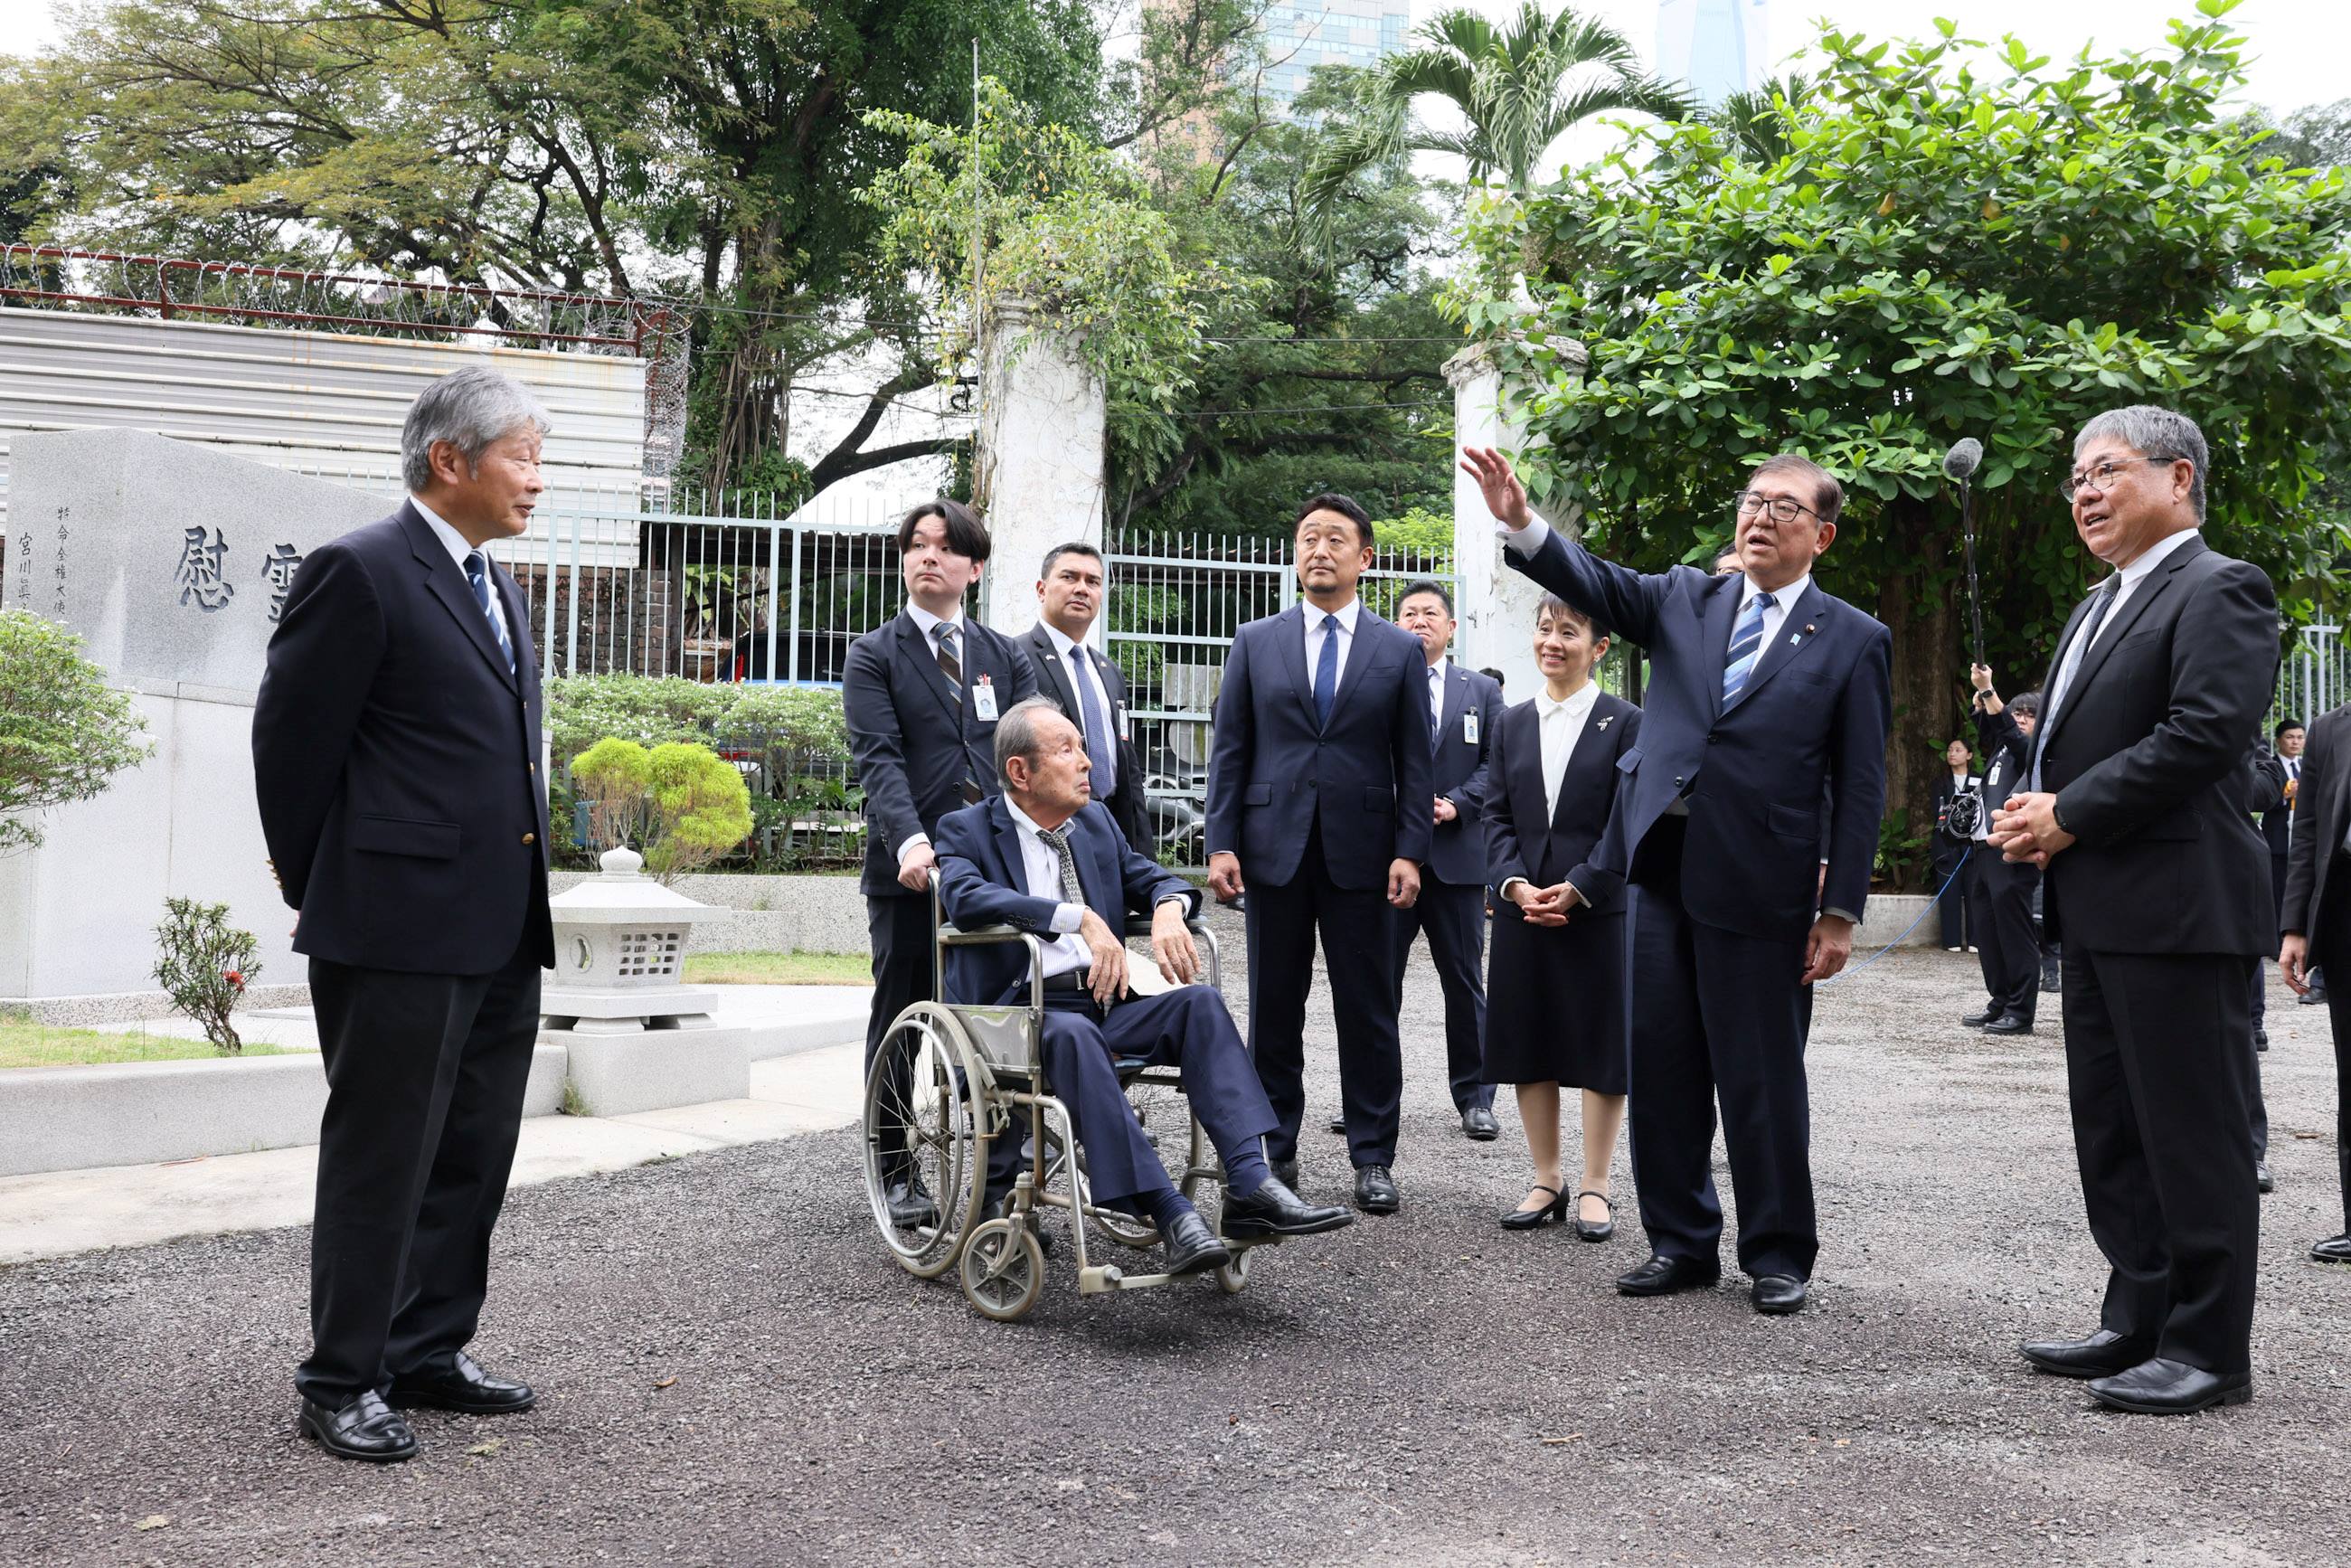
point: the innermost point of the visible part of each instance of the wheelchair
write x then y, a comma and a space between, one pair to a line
950, 1080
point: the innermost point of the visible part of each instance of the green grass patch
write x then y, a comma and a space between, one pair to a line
779, 969
24, 1043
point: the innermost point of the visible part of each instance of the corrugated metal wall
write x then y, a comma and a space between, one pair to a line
316, 403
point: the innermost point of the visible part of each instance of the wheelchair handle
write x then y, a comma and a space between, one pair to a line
948, 936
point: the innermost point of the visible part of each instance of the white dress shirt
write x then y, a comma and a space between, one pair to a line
1315, 635
455, 544
927, 624
1561, 725
1042, 868
1086, 675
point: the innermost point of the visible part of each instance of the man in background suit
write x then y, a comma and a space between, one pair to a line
2274, 802
2159, 886
1318, 786
1762, 753
2317, 919
2006, 944
1043, 857
1463, 708
922, 694
395, 755
1071, 593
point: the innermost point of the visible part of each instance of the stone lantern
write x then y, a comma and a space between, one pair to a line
620, 948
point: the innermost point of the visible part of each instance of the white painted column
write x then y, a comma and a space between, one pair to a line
1495, 605
1038, 475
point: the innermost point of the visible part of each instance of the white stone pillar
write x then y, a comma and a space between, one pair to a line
1037, 473
1495, 605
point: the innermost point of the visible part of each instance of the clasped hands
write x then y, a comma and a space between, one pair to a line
1545, 906
2024, 829
1171, 946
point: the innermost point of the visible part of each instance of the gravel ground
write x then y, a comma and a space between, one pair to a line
732, 1371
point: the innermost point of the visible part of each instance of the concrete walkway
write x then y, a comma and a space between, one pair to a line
56, 1213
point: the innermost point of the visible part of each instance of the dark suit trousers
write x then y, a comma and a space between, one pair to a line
1717, 1014
1959, 921
2005, 943
426, 1076
2334, 929
2157, 1056
1358, 947
1455, 919
1187, 1028
900, 931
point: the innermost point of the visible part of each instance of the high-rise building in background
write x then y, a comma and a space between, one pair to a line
1717, 47
1300, 35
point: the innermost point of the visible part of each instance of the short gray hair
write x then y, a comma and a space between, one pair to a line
1016, 733
470, 409
2161, 433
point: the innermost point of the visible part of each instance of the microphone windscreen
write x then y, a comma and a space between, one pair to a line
1961, 459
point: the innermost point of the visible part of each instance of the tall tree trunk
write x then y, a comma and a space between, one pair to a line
1927, 619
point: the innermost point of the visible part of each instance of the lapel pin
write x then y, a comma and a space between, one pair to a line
1604, 723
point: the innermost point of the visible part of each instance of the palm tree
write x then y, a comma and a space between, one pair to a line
1753, 121
1518, 85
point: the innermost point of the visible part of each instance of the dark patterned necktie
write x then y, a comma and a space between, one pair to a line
1058, 840
949, 665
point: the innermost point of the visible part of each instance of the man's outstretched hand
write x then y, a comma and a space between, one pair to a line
1505, 496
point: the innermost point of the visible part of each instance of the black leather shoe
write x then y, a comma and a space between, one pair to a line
1777, 1295
2102, 1355
1480, 1123
910, 1204
1274, 1210
1662, 1276
2160, 1388
2261, 1040
1192, 1246
1536, 1218
1339, 1124
463, 1386
1285, 1172
1000, 1207
2314, 997
1977, 1021
366, 1428
1592, 1230
2262, 1178
2334, 1249
1375, 1190
2009, 1023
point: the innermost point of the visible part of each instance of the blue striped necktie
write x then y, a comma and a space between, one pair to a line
1746, 647
478, 573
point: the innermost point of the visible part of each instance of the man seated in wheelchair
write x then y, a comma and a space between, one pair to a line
1044, 857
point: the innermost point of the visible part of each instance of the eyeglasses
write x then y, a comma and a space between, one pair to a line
2102, 478
1783, 508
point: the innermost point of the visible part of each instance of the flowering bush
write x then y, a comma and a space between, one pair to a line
206, 965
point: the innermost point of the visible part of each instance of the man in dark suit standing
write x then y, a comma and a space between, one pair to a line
1318, 791
2159, 886
1070, 592
922, 694
2317, 917
2281, 783
1762, 754
395, 752
1463, 708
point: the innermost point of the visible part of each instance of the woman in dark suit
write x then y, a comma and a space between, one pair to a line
1949, 848
1556, 1008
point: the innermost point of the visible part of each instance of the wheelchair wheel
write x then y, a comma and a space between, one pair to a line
1003, 1271
1231, 1276
926, 1120
1065, 1177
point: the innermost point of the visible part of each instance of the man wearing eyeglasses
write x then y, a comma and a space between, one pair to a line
1763, 755
2160, 887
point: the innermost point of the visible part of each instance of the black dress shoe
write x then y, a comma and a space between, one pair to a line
2261, 1040
1480, 1123
1285, 1172
1000, 1208
1339, 1124
1977, 1021
1592, 1230
463, 1386
2102, 1355
2262, 1178
1777, 1295
1192, 1246
2009, 1023
366, 1428
2160, 1388
1375, 1190
910, 1204
1662, 1276
1274, 1210
2314, 997
2334, 1249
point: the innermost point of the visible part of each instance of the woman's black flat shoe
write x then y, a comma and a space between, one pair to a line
1529, 1218
1584, 1228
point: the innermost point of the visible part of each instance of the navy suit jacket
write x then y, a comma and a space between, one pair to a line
1457, 850
1274, 774
395, 759
1814, 715
913, 742
1522, 842
1126, 803
983, 881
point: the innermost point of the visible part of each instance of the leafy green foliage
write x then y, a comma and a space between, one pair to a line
205, 963
1937, 254
64, 733
683, 803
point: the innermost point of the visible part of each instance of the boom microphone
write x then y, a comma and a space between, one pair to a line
1960, 461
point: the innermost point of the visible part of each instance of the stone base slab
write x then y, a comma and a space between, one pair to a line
128, 1006
618, 1074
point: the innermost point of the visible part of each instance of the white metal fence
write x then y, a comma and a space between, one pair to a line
2314, 676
